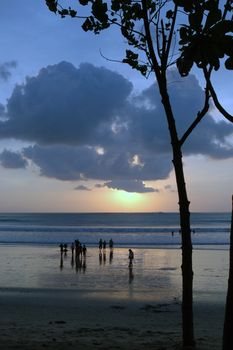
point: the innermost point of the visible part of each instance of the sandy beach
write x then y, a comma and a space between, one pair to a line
104, 306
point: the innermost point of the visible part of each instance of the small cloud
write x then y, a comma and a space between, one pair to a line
137, 186
99, 185
82, 188
169, 188
12, 160
5, 69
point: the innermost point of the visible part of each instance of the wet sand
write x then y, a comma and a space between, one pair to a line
44, 305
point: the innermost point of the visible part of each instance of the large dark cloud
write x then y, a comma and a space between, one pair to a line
86, 123
85, 162
65, 105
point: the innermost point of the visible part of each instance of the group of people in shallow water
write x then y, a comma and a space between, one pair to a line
103, 244
102, 251
78, 257
79, 252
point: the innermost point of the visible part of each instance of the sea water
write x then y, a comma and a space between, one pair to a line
30, 258
126, 229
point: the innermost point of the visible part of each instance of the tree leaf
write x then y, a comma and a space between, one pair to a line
99, 10
83, 2
195, 19
169, 14
87, 25
229, 63
184, 65
52, 5
213, 17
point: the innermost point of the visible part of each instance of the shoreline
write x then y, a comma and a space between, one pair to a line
103, 306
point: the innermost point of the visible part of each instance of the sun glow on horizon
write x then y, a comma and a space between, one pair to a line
128, 200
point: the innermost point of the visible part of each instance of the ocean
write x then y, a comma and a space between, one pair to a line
30, 256
126, 229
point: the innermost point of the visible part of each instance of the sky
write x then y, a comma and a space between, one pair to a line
79, 133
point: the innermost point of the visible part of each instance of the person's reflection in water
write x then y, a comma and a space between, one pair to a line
61, 261
131, 275
78, 263
100, 258
84, 265
72, 261
110, 256
104, 257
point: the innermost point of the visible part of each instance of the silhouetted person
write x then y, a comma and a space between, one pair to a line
104, 244
84, 250
78, 249
131, 257
100, 244
61, 248
65, 249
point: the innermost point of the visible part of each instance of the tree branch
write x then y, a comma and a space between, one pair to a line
199, 117
226, 8
170, 35
217, 104
157, 37
149, 39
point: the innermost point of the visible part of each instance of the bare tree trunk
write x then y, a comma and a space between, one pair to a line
228, 323
187, 269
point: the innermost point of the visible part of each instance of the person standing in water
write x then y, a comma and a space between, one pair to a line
131, 257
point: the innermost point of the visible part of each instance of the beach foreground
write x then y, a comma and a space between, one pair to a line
38, 320
100, 309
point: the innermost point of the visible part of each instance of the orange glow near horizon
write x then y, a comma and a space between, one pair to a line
129, 201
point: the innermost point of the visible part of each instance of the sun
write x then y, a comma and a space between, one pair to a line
127, 200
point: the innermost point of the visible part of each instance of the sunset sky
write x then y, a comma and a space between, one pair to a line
80, 133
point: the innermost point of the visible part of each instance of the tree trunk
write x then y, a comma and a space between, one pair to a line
187, 270
228, 323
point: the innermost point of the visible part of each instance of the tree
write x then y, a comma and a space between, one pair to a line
150, 28
228, 322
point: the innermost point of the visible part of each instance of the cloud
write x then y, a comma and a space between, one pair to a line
99, 185
12, 160
2, 112
169, 188
78, 163
65, 105
5, 69
130, 186
82, 188
87, 123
